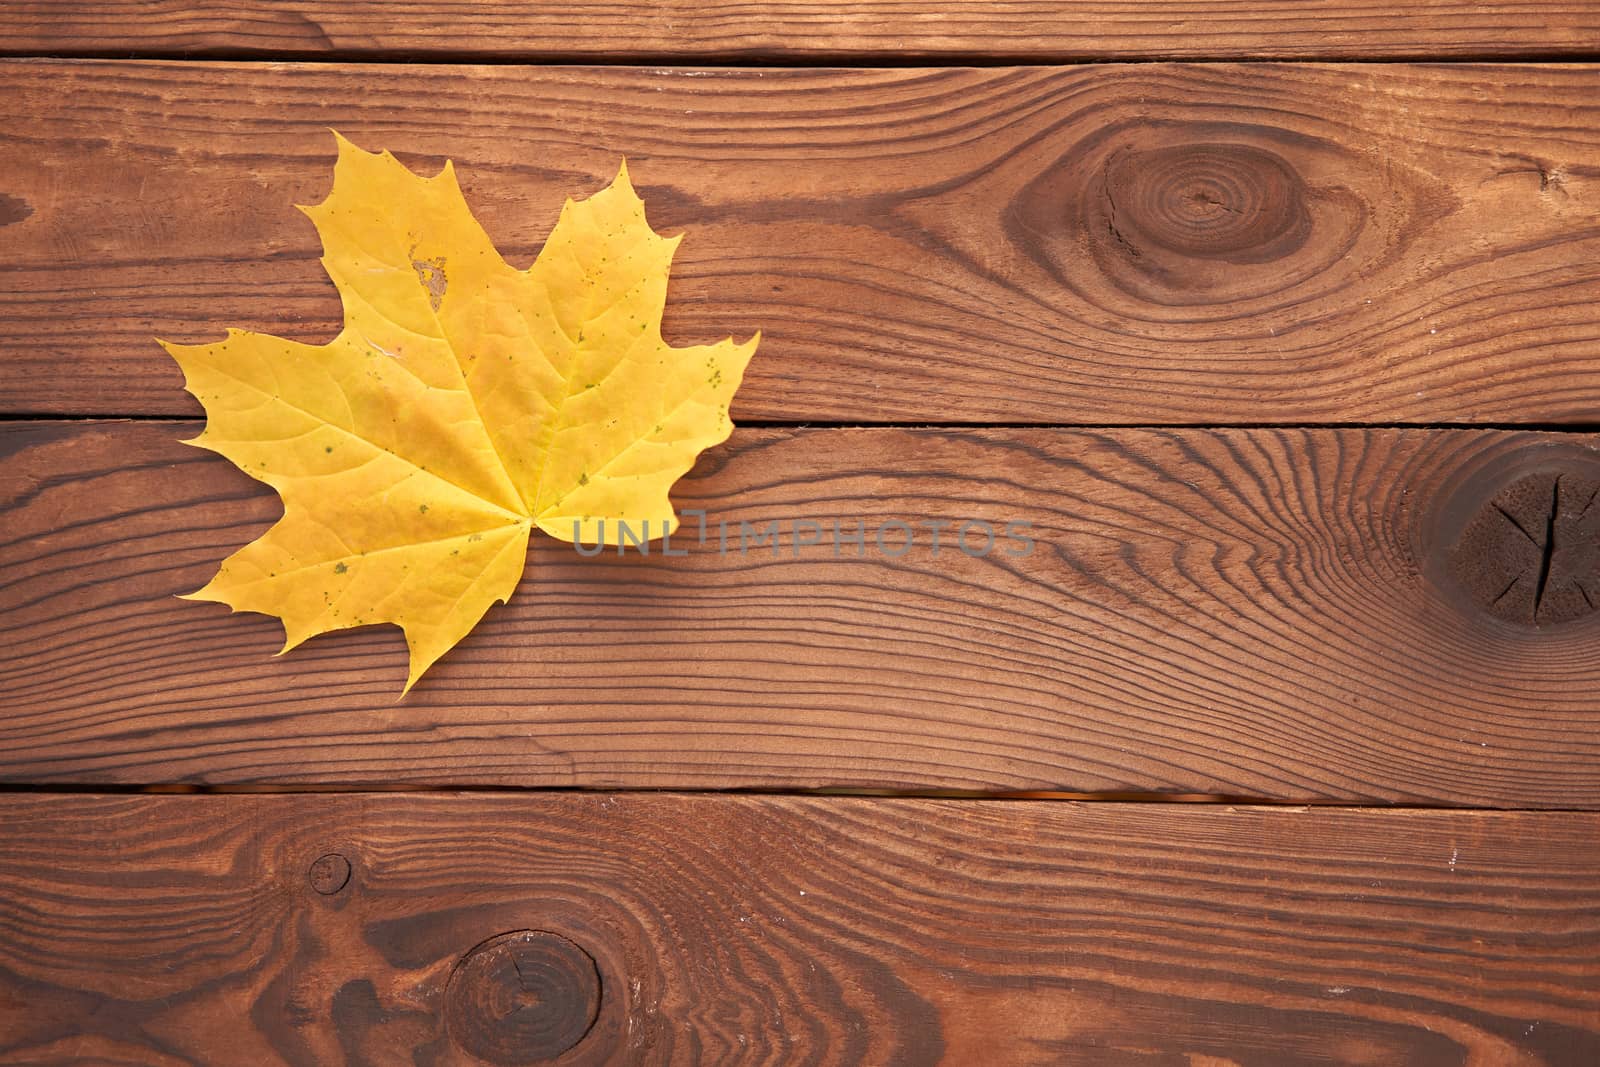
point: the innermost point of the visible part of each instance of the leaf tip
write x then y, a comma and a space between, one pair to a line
351, 155
622, 185
178, 351
291, 640
205, 595
414, 674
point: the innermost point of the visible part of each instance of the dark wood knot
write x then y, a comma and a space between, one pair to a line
1231, 202
522, 997
1179, 215
1530, 553
13, 209
329, 874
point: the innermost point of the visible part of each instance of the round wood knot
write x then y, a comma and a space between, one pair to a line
329, 874
1530, 553
1236, 203
1192, 225
522, 997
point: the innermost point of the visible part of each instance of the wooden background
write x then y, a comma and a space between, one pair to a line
1281, 747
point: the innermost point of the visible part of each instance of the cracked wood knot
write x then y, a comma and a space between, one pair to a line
1531, 552
522, 997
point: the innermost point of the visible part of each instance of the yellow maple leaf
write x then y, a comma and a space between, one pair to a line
464, 403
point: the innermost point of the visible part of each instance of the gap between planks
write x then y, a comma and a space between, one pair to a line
1530, 426
976, 796
778, 61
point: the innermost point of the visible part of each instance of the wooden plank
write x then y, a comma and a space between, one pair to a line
1137, 244
733, 930
803, 29
1267, 613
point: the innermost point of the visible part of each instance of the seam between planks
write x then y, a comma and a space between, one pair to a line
1177, 800
768, 60
1531, 426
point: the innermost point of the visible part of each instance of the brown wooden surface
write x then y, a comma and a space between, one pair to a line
1346, 614
804, 29
1263, 613
765, 930
1144, 243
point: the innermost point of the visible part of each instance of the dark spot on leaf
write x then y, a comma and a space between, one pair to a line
430, 272
339, 568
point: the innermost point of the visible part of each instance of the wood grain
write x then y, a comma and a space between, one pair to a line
1256, 613
763, 930
1148, 243
802, 29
